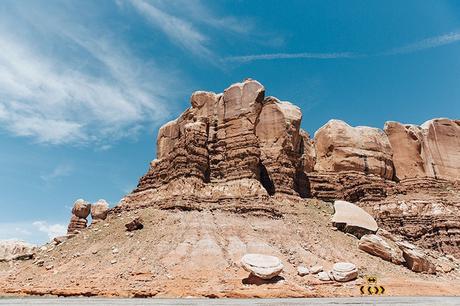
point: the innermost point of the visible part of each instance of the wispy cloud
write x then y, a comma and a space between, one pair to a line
258, 57
427, 43
51, 230
60, 171
179, 31
92, 89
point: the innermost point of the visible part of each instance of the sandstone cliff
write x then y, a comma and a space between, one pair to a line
238, 147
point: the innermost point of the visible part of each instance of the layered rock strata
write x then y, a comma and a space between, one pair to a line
80, 211
237, 149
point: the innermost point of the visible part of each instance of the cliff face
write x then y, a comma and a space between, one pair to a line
238, 149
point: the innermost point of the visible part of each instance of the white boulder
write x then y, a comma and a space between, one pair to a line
344, 271
262, 266
351, 218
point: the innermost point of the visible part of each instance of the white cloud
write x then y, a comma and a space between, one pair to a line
52, 230
255, 57
36, 232
427, 43
60, 171
179, 31
99, 94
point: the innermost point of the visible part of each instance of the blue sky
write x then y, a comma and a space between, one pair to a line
84, 85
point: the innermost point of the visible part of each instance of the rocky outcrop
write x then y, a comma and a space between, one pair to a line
340, 147
16, 250
228, 145
441, 140
262, 266
80, 211
429, 150
237, 149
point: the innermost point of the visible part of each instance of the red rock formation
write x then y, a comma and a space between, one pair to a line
340, 147
234, 150
430, 150
80, 211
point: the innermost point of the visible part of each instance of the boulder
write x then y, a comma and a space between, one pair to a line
350, 218
302, 271
340, 147
416, 259
135, 224
81, 209
323, 276
262, 266
99, 211
316, 269
377, 246
16, 250
344, 271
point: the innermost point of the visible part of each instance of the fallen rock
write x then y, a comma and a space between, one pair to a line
262, 266
377, 246
323, 276
16, 250
99, 211
344, 271
61, 239
302, 271
416, 259
351, 218
134, 225
316, 269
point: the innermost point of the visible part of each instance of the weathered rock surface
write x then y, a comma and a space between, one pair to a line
429, 150
353, 219
377, 246
99, 211
234, 150
263, 266
416, 259
442, 145
344, 272
340, 147
16, 250
80, 211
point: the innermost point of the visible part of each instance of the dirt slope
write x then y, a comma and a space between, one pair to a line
197, 253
